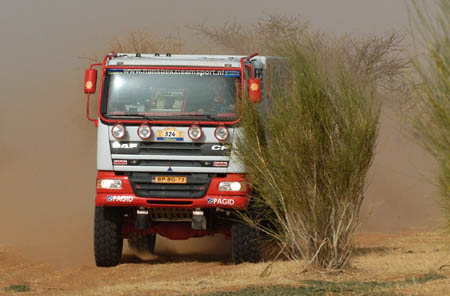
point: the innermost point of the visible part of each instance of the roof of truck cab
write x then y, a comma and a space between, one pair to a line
130, 59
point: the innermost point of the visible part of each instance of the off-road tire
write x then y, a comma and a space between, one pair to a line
244, 243
108, 241
142, 243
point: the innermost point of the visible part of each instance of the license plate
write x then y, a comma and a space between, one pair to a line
169, 180
169, 134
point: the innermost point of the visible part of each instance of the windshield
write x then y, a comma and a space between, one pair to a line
175, 94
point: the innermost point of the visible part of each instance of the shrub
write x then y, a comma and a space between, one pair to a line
308, 155
432, 99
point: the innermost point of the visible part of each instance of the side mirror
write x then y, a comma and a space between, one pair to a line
254, 90
90, 81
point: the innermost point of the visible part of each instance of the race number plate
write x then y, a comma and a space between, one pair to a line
169, 134
169, 180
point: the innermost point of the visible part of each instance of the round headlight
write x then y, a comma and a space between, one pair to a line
118, 131
144, 131
195, 132
232, 186
235, 186
221, 133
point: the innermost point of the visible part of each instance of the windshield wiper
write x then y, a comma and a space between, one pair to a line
194, 116
209, 116
126, 115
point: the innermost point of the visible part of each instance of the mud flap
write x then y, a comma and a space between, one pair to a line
198, 220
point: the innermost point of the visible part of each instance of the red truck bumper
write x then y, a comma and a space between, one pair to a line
214, 198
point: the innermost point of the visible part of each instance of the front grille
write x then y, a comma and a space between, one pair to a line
170, 148
171, 163
177, 163
155, 148
169, 202
195, 187
170, 214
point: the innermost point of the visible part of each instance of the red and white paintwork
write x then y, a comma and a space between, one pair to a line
172, 230
241, 198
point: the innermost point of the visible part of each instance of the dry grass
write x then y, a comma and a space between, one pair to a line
384, 258
389, 259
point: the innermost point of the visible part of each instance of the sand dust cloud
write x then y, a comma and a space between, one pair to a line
48, 168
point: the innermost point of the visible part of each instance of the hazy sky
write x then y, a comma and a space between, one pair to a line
48, 34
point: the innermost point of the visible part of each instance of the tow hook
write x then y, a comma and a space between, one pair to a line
198, 220
142, 221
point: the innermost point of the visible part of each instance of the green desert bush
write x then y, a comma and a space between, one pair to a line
432, 99
380, 58
308, 154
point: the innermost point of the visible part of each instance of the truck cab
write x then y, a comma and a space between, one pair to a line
167, 125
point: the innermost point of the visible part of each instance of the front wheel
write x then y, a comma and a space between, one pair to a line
142, 243
108, 241
244, 243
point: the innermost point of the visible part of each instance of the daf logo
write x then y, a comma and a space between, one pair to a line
117, 145
219, 147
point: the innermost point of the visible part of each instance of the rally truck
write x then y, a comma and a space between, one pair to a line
166, 166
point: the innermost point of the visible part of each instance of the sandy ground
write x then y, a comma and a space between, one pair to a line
380, 257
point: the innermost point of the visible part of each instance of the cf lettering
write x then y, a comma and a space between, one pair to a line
219, 147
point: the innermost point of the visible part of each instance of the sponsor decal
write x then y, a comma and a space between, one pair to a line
169, 134
197, 213
220, 201
232, 74
119, 198
169, 169
220, 164
142, 212
120, 162
173, 72
124, 147
219, 147
259, 72
117, 145
254, 87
